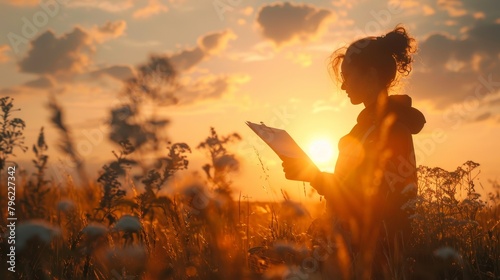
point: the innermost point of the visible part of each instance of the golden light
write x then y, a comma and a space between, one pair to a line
321, 152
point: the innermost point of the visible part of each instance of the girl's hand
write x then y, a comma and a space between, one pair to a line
299, 169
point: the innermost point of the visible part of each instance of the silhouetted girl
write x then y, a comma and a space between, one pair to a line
370, 193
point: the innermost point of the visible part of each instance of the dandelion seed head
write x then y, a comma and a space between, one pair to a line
65, 205
447, 253
95, 230
128, 223
34, 229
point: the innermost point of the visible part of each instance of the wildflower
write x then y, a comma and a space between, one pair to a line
65, 205
95, 230
34, 229
128, 223
447, 253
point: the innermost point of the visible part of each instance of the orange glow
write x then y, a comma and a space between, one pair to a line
322, 153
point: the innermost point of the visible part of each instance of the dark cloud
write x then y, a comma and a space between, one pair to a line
53, 55
285, 22
451, 70
483, 116
69, 53
487, 8
42, 83
110, 30
208, 45
483, 41
495, 102
187, 59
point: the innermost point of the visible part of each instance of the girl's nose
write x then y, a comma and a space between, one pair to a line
343, 86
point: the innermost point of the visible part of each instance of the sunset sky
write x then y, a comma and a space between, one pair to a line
250, 60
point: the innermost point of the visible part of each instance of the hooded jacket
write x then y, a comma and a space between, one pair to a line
375, 173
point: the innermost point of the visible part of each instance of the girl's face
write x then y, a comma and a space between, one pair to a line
361, 86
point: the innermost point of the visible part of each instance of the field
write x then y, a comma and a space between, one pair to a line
130, 222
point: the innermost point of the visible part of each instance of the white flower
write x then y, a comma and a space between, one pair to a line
447, 253
95, 230
128, 223
34, 229
65, 205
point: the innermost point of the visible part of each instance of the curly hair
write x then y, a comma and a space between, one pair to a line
389, 54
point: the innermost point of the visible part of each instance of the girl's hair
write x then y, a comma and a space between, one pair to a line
389, 54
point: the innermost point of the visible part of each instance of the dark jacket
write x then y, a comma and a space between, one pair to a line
375, 174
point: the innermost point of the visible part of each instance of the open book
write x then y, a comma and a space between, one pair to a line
279, 140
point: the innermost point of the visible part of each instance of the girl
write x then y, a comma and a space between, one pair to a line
369, 194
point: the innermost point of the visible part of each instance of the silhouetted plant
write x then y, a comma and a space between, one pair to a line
11, 133
446, 217
136, 119
222, 163
35, 191
155, 179
113, 193
66, 144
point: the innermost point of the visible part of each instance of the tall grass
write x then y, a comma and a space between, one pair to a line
133, 220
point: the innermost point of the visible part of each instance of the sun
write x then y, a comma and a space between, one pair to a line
322, 154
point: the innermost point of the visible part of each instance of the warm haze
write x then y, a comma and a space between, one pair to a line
254, 61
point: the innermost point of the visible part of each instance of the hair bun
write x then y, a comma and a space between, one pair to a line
401, 46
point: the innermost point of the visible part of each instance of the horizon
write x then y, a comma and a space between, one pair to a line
253, 61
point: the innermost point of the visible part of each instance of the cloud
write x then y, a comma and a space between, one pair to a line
208, 45
52, 55
428, 10
154, 7
477, 50
119, 72
41, 83
453, 70
285, 23
209, 87
110, 30
3, 53
69, 53
454, 8
483, 116
114, 6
